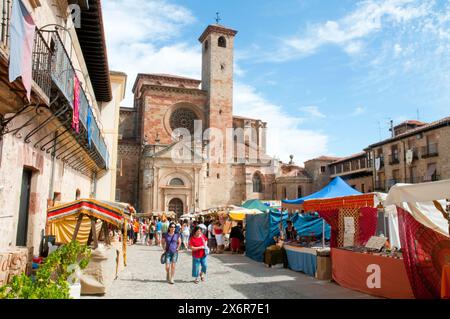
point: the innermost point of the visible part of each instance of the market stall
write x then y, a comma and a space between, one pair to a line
88, 220
336, 188
360, 260
424, 223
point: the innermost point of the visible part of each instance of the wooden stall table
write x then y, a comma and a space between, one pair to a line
306, 260
354, 270
445, 284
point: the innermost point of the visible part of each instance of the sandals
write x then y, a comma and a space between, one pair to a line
196, 281
202, 277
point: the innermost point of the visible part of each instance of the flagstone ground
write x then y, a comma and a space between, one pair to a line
229, 276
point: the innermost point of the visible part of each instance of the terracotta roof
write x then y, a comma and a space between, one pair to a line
325, 158
411, 122
164, 76
350, 157
434, 125
245, 118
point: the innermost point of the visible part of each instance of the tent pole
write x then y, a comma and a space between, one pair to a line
77, 227
384, 223
323, 233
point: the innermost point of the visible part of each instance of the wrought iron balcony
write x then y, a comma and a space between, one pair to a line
53, 75
430, 150
394, 159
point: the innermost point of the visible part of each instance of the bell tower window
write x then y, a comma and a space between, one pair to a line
222, 42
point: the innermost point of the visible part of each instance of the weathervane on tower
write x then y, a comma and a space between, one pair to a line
217, 18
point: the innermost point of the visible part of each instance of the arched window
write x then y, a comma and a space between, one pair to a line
222, 42
206, 45
176, 182
257, 184
299, 191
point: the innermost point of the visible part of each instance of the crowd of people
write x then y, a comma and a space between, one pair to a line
199, 237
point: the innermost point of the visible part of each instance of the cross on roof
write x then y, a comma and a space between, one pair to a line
217, 18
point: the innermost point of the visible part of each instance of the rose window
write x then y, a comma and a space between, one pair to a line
183, 118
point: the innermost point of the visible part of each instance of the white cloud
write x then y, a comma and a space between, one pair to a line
369, 17
142, 44
312, 111
284, 134
358, 111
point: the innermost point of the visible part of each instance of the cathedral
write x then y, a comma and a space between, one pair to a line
148, 175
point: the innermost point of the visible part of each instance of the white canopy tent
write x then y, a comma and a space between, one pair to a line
426, 202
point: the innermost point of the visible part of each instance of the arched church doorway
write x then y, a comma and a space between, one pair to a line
176, 205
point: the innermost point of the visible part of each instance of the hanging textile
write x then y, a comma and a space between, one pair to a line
21, 47
76, 105
89, 125
367, 224
332, 218
425, 251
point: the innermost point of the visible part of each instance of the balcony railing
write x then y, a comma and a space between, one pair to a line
63, 75
41, 67
394, 159
430, 150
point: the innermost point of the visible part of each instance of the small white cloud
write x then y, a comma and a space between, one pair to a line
368, 18
312, 111
358, 111
397, 49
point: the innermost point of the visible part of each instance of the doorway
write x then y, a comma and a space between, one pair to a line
176, 205
22, 224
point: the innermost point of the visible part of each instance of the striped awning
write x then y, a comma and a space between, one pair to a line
111, 212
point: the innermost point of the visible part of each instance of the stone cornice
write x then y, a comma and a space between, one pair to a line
218, 29
173, 89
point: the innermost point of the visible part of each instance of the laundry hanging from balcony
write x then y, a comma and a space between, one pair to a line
76, 105
21, 47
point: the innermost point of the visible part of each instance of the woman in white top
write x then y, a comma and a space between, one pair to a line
185, 233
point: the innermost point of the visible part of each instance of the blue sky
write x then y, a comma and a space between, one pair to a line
326, 75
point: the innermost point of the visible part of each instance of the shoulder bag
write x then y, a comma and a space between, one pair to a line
205, 244
164, 254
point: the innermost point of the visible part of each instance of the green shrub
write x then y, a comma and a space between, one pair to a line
51, 280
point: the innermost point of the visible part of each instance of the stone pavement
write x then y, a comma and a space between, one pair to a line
228, 277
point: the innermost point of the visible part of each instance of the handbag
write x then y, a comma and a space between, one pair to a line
163, 258
206, 246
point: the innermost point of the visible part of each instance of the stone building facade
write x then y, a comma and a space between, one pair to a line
417, 152
226, 161
42, 158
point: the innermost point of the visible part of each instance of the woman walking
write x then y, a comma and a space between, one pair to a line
236, 237
198, 244
185, 233
218, 232
211, 238
171, 244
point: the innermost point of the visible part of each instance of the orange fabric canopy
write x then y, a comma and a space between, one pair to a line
355, 201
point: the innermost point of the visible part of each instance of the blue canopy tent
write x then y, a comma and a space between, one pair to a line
336, 188
261, 228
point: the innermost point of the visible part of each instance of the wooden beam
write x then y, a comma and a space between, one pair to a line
94, 232
77, 227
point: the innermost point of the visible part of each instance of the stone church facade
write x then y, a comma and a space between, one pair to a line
149, 178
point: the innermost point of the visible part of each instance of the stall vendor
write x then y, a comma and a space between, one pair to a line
291, 233
276, 254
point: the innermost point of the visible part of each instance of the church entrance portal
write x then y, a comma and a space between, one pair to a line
176, 205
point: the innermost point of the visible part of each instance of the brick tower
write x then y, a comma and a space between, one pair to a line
217, 80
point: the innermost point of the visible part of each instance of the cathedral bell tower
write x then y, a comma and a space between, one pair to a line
217, 74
